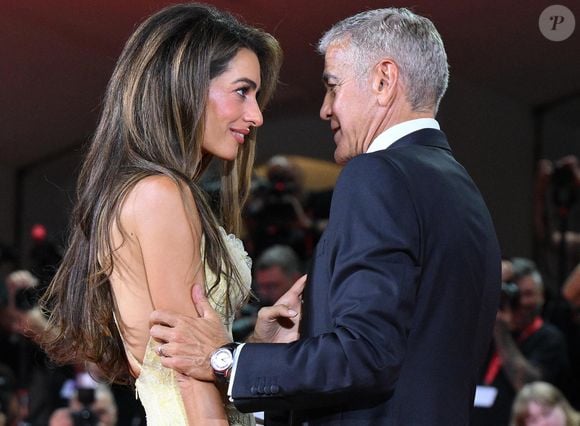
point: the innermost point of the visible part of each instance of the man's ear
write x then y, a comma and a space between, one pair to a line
385, 79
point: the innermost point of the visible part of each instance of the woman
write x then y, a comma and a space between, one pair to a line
542, 404
189, 86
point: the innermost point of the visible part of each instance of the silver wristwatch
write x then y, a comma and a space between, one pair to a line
222, 361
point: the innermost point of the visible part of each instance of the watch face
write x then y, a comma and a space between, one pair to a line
221, 359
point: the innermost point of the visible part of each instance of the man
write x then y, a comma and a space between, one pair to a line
526, 348
401, 298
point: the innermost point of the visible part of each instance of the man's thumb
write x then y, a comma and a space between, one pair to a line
199, 300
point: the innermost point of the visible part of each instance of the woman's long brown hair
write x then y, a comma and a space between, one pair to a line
152, 124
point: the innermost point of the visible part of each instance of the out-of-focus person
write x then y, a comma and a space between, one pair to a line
557, 218
275, 213
542, 404
526, 348
571, 288
276, 270
10, 411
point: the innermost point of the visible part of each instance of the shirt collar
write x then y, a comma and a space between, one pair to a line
393, 134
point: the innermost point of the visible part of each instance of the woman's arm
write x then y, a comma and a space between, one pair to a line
168, 232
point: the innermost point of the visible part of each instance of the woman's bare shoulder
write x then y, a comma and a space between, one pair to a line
157, 197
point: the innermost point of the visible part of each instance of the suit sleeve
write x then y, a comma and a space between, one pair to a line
372, 254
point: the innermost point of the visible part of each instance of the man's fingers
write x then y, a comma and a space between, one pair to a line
161, 333
298, 286
294, 294
272, 312
172, 363
201, 303
185, 366
163, 318
167, 350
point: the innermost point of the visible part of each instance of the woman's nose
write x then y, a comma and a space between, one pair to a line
254, 115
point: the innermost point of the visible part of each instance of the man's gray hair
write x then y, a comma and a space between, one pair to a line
410, 40
524, 267
279, 255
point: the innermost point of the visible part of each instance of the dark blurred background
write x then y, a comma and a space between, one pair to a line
511, 113
514, 96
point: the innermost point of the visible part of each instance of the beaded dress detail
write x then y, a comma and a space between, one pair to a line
157, 386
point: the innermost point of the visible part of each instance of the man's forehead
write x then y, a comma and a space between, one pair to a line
337, 74
335, 63
335, 53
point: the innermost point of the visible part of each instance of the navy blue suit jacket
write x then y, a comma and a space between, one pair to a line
400, 302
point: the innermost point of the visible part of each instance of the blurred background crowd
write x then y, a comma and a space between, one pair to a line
533, 358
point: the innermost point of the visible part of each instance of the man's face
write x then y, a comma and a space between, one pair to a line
348, 104
271, 284
531, 300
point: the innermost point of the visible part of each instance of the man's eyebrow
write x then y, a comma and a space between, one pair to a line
248, 81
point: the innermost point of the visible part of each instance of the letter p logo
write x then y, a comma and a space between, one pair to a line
557, 20
557, 23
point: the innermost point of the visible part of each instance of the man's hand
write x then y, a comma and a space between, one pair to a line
188, 342
279, 323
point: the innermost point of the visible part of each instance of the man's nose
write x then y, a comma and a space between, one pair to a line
325, 109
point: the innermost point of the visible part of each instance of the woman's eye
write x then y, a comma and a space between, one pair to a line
242, 91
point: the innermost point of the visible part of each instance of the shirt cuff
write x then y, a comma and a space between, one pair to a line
234, 366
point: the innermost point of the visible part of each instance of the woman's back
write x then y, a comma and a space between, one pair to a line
156, 260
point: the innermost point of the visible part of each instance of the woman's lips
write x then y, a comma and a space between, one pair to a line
240, 134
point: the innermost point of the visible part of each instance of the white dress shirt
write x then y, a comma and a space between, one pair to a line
393, 134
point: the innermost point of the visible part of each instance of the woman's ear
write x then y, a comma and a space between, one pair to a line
385, 79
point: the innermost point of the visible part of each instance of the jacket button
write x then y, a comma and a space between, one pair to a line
274, 389
254, 390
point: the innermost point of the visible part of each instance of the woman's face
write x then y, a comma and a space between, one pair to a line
543, 415
232, 108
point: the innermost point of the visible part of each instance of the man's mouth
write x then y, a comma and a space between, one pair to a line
336, 132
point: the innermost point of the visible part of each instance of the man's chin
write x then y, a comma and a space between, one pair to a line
340, 158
